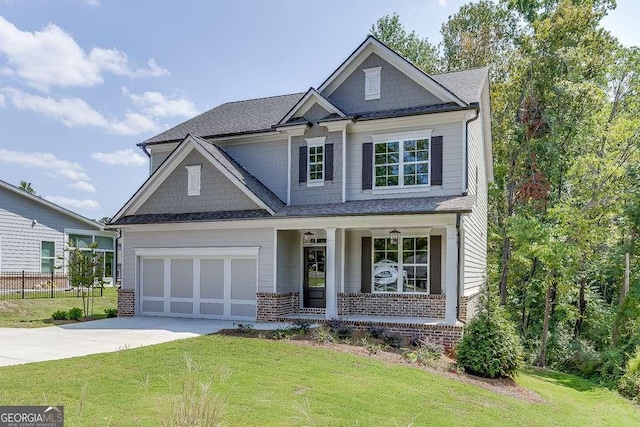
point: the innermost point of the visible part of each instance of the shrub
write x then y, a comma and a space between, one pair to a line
75, 313
323, 335
580, 358
490, 346
302, 325
111, 312
376, 331
59, 315
629, 384
393, 340
371, 347
244, 327
339, 328
283, 334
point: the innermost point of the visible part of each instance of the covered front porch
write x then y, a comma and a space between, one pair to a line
396, 270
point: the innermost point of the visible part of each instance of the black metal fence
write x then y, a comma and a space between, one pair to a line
29, 285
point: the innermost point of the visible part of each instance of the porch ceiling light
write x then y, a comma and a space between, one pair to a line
394, 236
306, 237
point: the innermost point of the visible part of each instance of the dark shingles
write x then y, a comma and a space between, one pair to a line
251, 182
403, 206
467, 84
410, 111
253, 115
190, 217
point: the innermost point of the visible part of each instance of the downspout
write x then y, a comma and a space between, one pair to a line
466, 151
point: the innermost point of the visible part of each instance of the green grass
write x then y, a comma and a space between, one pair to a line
272, 380
35, 313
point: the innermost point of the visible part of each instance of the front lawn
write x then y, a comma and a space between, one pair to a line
34, 313
283, 383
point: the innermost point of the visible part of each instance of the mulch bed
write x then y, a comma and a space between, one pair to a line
445, 367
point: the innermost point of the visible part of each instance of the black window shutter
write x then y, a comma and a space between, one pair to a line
366, 270
435, 265
367, 165
328, 162
302, 164
436, 160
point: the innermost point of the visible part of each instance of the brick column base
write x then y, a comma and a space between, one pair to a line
126, 302
272, 306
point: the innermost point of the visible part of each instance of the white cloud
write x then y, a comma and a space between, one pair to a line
83, 186
72, 174
126, 157
70, 203
46, 161
2, 101
443, 3
158, 105
51, 57
76, 112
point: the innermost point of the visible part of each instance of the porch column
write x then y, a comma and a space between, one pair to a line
330, 272
451, 274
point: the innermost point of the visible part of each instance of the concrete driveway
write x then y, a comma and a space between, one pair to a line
18, 346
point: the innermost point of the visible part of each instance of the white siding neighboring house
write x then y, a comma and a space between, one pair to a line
35, 232
364, 199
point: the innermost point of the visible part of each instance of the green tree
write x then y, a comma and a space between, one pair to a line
86, 272
26, 186
419, 51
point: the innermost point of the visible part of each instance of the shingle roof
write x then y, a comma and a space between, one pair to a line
467, 84
251, 182
253, 115
401, 206
423, 109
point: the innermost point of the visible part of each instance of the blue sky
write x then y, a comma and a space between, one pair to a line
82, 82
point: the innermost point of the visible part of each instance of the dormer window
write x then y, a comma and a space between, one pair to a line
372, 83
193, 180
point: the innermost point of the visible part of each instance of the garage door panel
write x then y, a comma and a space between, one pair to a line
212, 278
244, 310
212, 308
182, 278
153, 277
243, 279
153, 306
179, 307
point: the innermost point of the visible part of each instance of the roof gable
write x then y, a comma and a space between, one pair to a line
373, 45
239, 176
50, 205
311, 98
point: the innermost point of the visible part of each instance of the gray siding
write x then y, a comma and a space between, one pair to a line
451, 164
396, 90
475, 224
331, 191
157, 157
264, 160
217, 193
262, 237
315, 113
289, 259
20, 242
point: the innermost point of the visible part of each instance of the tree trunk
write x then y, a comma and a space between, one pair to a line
582, 306
542, 357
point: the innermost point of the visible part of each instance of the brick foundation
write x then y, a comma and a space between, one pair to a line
468, 307
432, 306
126, 302
273, 306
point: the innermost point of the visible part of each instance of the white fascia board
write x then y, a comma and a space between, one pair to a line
408, 121
371, 45
362, 222
307, 101
485, 111
156, 178
104, 233
51, 205
230, 251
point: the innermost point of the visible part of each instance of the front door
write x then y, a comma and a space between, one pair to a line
314, 277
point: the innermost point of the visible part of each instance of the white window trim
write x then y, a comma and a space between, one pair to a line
193, 174
372, 73
400, 138
315, 142
53, 257
400, 265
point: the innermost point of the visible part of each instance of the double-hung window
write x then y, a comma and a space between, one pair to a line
402, 267
47, 256
315, 161
402, 160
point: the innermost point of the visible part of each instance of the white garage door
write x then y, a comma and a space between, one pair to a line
212, 287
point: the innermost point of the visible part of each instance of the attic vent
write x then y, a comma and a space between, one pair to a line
193, 180
372, 83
